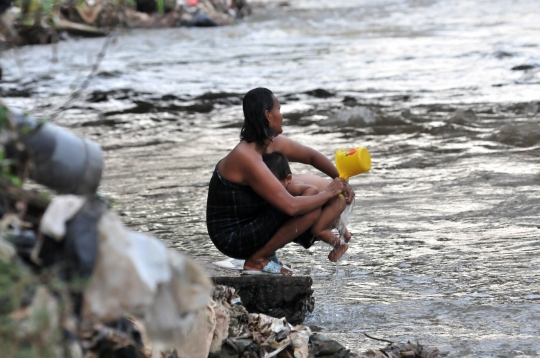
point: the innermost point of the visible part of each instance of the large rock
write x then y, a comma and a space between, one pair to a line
276, 296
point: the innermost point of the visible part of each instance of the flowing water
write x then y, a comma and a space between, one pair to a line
444, 94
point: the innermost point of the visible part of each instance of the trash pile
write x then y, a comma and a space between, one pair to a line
74, 281
45, 21
234, 333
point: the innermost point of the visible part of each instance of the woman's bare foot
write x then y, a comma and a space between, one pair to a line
257, 264
337, 252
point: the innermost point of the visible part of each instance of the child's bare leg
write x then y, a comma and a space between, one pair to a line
343, 232
327, 236
329, 218
329, 215
334, 213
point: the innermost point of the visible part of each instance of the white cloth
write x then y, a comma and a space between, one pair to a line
61, 209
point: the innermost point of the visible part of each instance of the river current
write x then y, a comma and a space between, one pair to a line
444, 94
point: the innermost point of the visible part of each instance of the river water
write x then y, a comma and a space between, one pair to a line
444, 94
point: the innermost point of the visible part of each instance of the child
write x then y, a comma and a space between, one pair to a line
322, 230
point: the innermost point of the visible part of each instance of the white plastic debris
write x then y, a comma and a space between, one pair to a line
148, 256
221, 330
172, 315
135, 274
196, 343
267, 325
300, 341
61, 209
116, 288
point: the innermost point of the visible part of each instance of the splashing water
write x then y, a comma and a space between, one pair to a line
344, 221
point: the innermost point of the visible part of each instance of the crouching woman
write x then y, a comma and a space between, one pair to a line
249, 213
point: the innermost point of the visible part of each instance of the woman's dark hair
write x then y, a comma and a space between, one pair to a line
256, 128
278, 164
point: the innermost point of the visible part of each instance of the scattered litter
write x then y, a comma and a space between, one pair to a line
231, 264
59, 212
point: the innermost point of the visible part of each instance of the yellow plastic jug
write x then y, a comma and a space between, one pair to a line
351, 162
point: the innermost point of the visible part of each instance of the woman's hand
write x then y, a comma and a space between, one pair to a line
348, 193
336, 187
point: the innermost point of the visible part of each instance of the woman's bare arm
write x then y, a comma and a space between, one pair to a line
257, 175
299, 189
297, 152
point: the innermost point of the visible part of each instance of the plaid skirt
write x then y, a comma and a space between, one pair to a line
240, 222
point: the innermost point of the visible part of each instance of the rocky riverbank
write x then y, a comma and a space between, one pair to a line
40, 22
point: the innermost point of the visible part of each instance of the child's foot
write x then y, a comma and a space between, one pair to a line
337, 252
347, 235
343, 232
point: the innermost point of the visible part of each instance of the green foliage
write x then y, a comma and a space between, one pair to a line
160, 6
25, 129
24, 332
7, 164
11, 282
5, 170
3, 117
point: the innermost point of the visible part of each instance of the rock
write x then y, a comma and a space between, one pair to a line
503, 54
200, 20
349, 101
98, 96
523, 67
199, 107
217, 95
276, 296
320, 93
323, 346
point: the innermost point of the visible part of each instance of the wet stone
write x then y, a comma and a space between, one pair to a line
523, 67
98, 96
323, 346
276, 296
320, 93
218, 95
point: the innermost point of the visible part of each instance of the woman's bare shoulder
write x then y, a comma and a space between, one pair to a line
244, 152
239, 161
